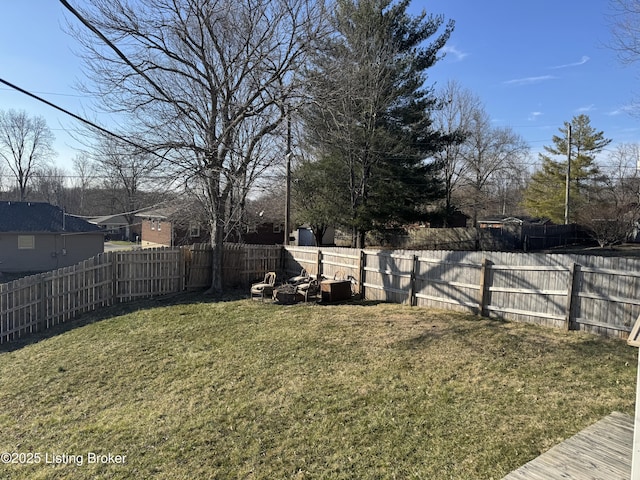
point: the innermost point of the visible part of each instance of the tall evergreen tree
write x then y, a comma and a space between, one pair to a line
315, 200
369, 109
545, 195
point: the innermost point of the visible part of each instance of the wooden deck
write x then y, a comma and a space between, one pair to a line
599, 452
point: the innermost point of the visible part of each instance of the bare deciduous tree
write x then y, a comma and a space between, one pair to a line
49, 185
489, 154
624, 20
25, 145
192, 74
125, 172
84, 177
454, 118
625, 27
614, 208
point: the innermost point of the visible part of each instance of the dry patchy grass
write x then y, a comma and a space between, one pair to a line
241, 389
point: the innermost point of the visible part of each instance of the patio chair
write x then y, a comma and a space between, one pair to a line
302, 278
264, 289
311, 288
355, 289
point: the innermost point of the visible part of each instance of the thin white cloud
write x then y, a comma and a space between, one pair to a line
624, 110
582, 61
529, 80
534, 116
458, 54
587, 108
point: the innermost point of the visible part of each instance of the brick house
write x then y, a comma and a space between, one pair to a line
169, 227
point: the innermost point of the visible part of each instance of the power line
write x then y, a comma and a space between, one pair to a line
63, 110
51, 93
79, 118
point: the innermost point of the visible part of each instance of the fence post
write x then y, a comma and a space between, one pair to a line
574, 276
319, 265
361, 274
42, 286
414, 269
484, 287
183, 268
114, 277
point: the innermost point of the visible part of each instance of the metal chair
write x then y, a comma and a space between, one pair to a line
264, 289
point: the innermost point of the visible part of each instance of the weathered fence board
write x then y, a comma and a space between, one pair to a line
447, 284
298, 258
388, 277
198, 259
594, 294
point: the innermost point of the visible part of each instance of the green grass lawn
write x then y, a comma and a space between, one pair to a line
241, 389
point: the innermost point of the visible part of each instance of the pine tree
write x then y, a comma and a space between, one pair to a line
370, 111
545, 195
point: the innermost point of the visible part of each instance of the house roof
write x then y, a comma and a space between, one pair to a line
161, 213
37, 217
117, 219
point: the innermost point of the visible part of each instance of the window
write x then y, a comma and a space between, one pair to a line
277, 228
26, 242
153, 223
159, 225
194, 229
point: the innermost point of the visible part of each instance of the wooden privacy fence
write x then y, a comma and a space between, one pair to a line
595, 294
38, 302
41, 301
242, 264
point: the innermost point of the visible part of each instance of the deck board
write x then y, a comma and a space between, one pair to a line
601, 451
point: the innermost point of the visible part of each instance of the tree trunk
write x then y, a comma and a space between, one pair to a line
318, 233
217, 246
217, 212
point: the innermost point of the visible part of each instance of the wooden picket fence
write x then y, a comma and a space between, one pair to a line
595, 294
38, 302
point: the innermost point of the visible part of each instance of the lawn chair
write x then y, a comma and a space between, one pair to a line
304, 277
264, 289
308, 289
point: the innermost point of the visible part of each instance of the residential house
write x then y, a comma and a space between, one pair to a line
264, 233
38, 237
170, 227
116, 227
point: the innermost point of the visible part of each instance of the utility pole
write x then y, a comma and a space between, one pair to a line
287, 205
568, 181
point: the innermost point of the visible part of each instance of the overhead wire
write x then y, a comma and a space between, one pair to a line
81, 119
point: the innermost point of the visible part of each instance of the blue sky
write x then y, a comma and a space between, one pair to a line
37, 55
534, 64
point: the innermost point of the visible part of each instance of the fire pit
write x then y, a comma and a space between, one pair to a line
285, 294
